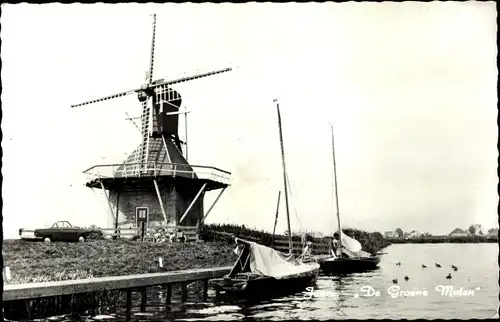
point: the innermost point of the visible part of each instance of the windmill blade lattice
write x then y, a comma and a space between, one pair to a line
107, 97
141, 154
160, 106
189, 78
152, 60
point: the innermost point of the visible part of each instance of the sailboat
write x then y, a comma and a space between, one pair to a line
262, 271
350, 257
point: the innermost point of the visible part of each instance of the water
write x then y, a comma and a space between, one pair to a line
336, 297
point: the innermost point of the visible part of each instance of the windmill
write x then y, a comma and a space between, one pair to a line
158, 158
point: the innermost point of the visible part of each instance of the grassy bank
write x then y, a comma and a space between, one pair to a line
40, 262
371, 242
445, 239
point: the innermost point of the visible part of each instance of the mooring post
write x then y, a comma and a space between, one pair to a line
169, 293
143, 299
129, 301
184, 291
56, 305
205, 289
92, 303
74, 306
29, 309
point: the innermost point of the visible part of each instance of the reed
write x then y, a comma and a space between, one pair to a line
371, 242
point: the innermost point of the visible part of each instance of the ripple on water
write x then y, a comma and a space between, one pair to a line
104, 317
217, 309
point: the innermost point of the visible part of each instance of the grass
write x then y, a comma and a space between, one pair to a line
40, 262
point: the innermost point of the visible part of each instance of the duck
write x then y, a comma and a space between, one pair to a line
395, 281
454, 267
437, 265
449, 276
398, 264
406, 278
423, 266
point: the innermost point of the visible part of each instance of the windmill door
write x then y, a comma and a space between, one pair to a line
142, 216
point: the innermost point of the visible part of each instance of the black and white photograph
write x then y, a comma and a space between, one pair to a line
249, 161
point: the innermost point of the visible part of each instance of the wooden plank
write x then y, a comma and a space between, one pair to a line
45, 289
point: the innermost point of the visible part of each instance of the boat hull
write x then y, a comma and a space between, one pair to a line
262, 287
349, 265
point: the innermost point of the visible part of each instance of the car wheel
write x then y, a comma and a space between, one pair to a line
81, 239
47, 239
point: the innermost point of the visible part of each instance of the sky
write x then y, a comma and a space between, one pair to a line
410, 89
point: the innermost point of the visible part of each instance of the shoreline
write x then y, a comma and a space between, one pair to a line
445, 240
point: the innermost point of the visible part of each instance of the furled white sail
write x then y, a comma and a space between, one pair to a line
350, 244
269, 262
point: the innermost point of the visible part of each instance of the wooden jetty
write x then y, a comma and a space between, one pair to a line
127, 283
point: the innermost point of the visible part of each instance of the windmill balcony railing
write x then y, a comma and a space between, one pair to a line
154, 169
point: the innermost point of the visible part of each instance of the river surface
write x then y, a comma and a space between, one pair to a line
364, 295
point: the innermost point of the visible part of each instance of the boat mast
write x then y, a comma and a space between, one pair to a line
290, 245
336, 190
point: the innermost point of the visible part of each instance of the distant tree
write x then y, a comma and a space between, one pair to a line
478, 229
481, 233
493, 231
472, 230
319, 235
400, 232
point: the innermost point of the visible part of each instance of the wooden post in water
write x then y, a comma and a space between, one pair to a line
205, 289
129, 301
184, 291
29, 309
74, 306
144, 299
169, 293
92, 303
56, 304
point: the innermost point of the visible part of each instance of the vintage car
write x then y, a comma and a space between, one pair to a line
62, 231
